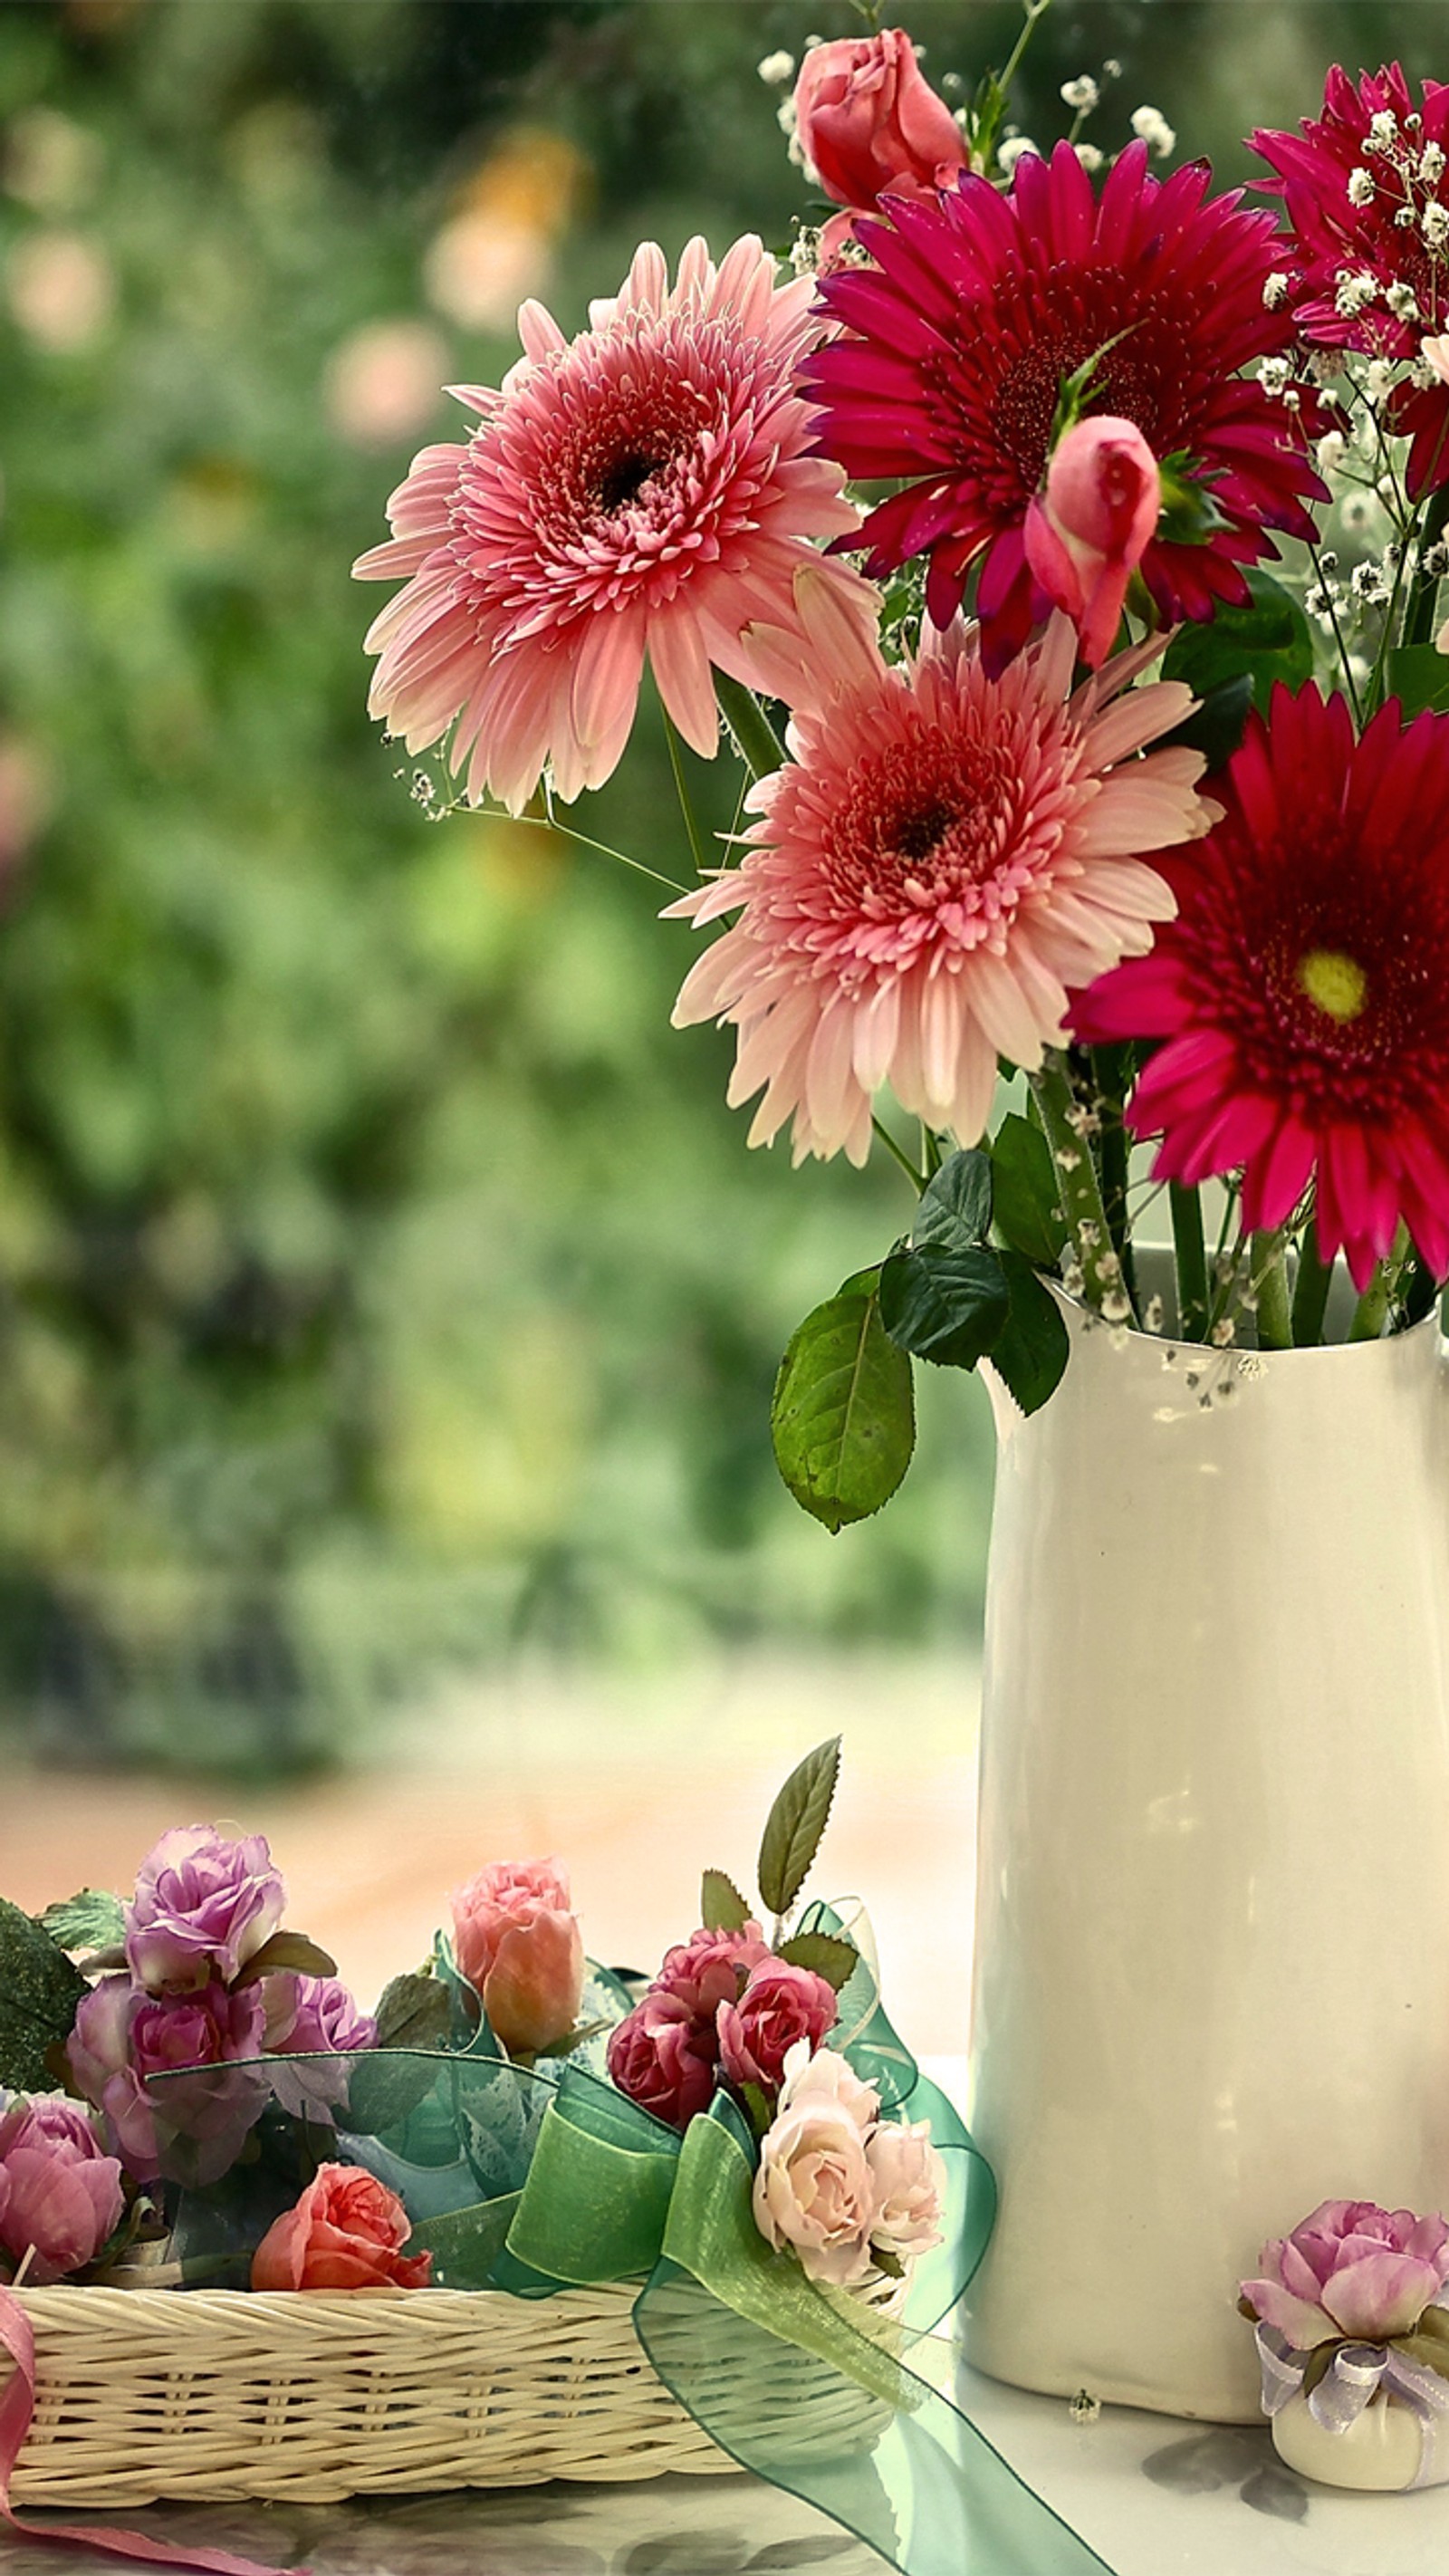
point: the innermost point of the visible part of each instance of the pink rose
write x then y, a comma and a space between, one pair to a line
203, 1906
312, 2017
664, 2059
712, 1968
517, 1943
1351, 2269
828, 2077
347, 2232
869, 121
780, 2006
814, 2189
1088, 530
910, 2183
60, 2193
193, 2127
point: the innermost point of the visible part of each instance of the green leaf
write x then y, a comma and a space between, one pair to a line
888, 2262
1025, 1202
39, 1991
86, 1923
414, 2011
759, 2106
1269, 640
1320, 2362
721, 1906
287, 1950
1217, 726
828, 1957
944, 1304
955, 1205
1419, 678
843, 1418
1031, 1351
1429, 2350
795, 1824
1189, 514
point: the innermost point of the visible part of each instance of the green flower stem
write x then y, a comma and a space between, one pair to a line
1102, 1286
1424, 588
1371, 1312
1269, 1274
917, 1179
1109, 1076
1190, 1255
755, 738
1310, 1293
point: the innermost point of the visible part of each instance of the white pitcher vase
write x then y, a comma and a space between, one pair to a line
1211, 1980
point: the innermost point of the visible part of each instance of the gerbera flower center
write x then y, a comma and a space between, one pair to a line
624, 477
1334, 982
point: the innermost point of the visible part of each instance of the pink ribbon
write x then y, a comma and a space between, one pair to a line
17, 2407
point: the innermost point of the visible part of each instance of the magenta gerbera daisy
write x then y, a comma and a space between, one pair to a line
1366, 186
943, 857
1303, 989
642, 490
958, 340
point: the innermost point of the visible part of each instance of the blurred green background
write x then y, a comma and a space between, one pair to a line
383, 1287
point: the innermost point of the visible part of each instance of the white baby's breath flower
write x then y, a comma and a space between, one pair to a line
1431, 163
1012, 150
1275, 288
1402, 301
1360, 186
1273, 376
1383, 131
1434, 225
1330, 451
1378, 377
1088, 155
1081, 93
1352, 290
1151, 127
776, 68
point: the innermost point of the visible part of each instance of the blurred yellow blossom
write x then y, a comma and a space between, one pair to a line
61, 289
382, 382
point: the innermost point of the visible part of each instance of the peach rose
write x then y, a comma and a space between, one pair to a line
869, 121
517, 1943
1088, 530
347, 2232
814, 2189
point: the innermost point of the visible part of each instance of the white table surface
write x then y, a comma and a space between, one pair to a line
1152, 2495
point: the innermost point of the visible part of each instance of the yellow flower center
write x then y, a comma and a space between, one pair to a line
1333, 982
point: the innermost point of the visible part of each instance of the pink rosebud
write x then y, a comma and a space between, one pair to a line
869, 121
664, 2059
346, 2232
1088, 530
1351, 2269
517, 1943
60, 2193
194, 2126
203, 1906
814, 2189
910, 2184
780, 2006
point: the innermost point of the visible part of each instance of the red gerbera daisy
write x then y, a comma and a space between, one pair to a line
1303, 989
1367, 192
979, 306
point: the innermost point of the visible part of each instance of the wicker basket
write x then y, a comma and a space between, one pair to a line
312, 2396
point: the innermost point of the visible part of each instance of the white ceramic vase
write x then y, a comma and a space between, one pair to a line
1211, 1979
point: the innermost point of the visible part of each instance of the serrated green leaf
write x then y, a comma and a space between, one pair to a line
1031, 1351
1269, 640
795, 1824
414, 2011
944, 1303
721, 1906
39, 1991
287, 1950
1419, 678
86, 1923
1025, 1201
828, 1957
955, 1205
843, 1419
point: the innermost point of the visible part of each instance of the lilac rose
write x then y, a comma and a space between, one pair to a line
192, 2128
1351, 2269
312, 2017
203, 1907
60, 2193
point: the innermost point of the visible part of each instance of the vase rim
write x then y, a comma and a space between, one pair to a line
1159, 1256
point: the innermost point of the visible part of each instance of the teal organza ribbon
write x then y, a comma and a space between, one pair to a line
534, 2180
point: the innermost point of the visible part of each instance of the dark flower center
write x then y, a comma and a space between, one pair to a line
917, 835
623, 478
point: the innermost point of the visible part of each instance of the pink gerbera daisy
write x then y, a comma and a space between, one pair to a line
957, 342
1303, 990
942, 858
1367, 192
643, 489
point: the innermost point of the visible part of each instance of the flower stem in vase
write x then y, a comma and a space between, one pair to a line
1190, 1254
1065, 1125
1110, 1074
1370, 1313
1270, 1282
1310, 1290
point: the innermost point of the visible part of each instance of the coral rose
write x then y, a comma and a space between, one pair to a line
60, 2193
869, 121
1089, 529
347, 2232
1351, 2269
664, 2059
517, 1943
203, 1906
780, 2006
